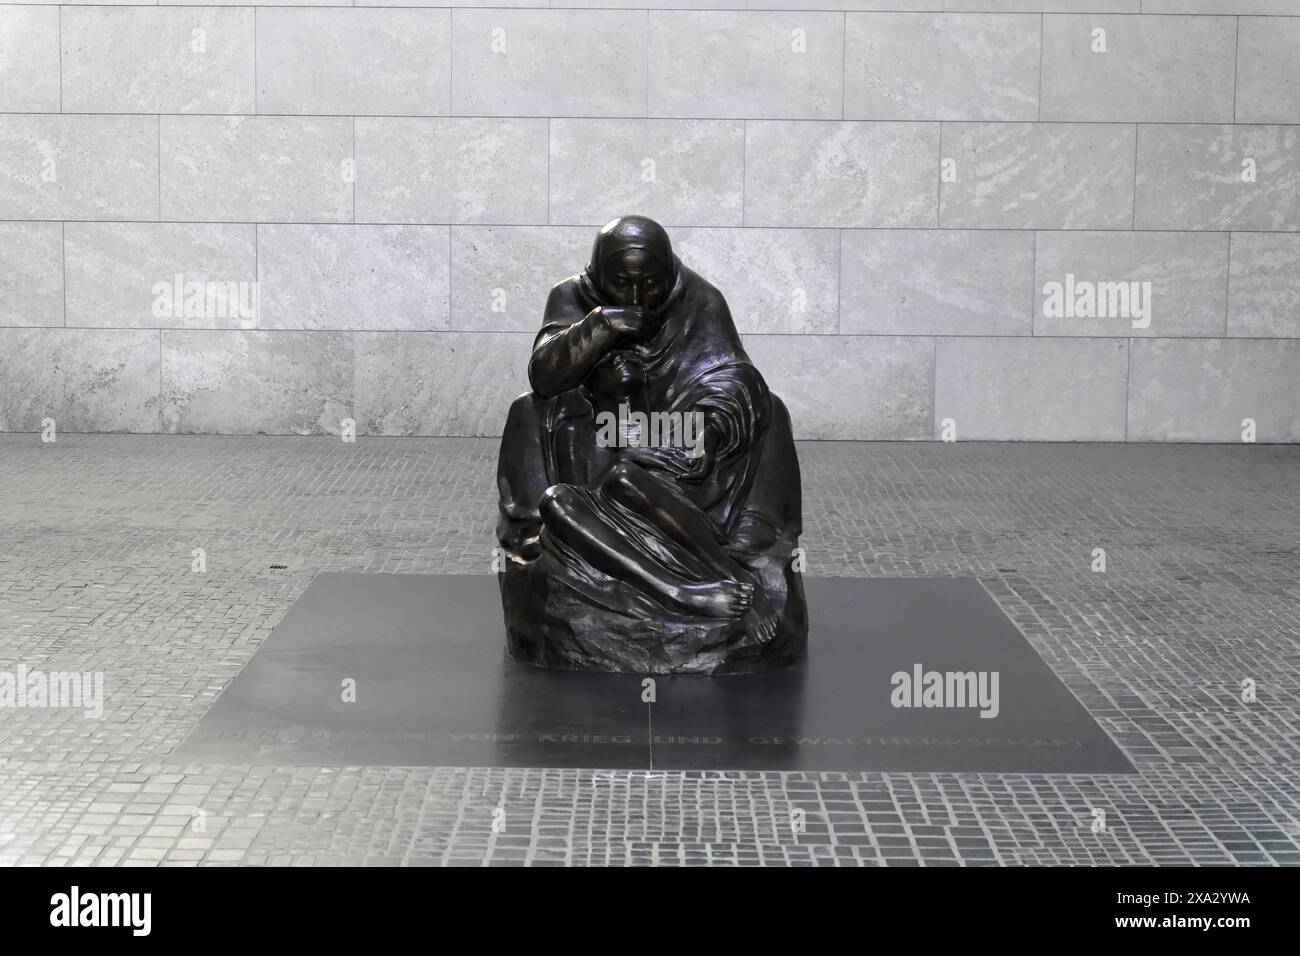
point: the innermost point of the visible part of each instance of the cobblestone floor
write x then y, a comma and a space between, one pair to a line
1201, 592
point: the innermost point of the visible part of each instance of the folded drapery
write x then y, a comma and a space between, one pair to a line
743, 494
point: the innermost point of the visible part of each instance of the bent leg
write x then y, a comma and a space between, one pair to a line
660, 502
569, 516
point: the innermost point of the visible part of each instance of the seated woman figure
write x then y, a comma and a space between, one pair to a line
649, 558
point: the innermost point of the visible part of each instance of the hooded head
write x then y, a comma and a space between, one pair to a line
632, 263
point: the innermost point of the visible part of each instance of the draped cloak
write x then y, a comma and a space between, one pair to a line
693, 362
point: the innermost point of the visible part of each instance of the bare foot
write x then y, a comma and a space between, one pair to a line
726, 599
762, 620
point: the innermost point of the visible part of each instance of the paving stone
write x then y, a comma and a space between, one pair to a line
1200, 592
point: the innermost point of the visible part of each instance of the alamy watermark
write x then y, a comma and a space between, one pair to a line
194, 299
25, 687
922, 688
128, 910
1085, 299
629, 429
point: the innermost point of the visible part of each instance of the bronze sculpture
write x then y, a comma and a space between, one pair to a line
629, 546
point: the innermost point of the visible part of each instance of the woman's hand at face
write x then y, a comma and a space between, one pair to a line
630, 321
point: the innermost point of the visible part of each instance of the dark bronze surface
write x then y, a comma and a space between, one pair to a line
648, 549
435, 688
